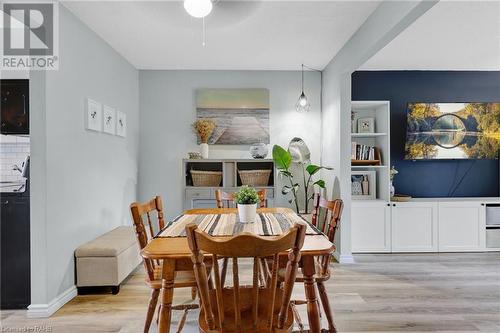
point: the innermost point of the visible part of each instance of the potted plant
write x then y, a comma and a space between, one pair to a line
247, 199
204, 129
283, 161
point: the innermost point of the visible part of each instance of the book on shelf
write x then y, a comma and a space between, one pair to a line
360, 152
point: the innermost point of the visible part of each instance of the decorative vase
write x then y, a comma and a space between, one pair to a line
393, 190
247, 213
204, 150
258, 150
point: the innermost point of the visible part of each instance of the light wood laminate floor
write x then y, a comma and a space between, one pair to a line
379, 293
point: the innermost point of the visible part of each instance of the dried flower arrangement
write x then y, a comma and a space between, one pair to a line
204, 129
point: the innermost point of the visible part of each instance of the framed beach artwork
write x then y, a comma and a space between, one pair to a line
241, 115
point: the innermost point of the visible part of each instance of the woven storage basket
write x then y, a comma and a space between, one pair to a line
254, 177
206, 178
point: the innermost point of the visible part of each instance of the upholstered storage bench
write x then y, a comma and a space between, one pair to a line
108, 259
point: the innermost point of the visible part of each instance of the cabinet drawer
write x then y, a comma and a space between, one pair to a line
493, 238
198, 193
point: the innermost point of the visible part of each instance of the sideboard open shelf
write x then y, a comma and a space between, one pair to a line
204, 196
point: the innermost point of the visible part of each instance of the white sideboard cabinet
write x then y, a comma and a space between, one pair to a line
422, 225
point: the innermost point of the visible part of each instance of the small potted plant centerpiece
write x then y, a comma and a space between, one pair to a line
247, 200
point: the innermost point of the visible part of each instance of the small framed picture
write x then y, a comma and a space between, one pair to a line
108, 120
121, 124
363, 185
366, 125
93, 115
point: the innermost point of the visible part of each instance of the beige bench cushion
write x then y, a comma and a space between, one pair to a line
110, 244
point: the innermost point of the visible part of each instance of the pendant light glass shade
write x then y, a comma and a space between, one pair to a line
198, 8
302, 104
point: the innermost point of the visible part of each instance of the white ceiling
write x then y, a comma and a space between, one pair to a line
450, 36
248, 35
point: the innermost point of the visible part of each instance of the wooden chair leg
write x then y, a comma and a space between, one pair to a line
151, 309
223, 271
193, 293
326, 307
297, 318
182, 321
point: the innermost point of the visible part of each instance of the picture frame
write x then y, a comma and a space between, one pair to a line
121, 124
108, 120
366, 125
93, 116
241, 115
363, 185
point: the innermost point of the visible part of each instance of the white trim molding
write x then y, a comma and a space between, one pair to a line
343, 258
47, 310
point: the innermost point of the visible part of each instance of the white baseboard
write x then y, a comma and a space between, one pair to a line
343, 258
47, 310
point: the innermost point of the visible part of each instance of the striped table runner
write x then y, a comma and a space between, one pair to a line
267, 224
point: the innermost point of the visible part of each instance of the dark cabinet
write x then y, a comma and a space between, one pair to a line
14, 107
15, 250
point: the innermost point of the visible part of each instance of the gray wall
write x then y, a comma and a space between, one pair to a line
86, 180
168, 108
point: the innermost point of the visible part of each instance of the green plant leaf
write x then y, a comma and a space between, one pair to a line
321, 183
313, 169
285, 190
281, 157
246, 195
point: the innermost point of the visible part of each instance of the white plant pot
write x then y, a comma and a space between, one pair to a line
204, 150
247, 213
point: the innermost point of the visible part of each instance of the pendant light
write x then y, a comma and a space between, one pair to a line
302, 105
198, 8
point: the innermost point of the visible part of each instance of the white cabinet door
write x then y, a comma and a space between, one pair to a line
462, 226
370, 226
414, 227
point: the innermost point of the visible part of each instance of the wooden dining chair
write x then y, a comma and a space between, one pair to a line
153, 210
226, 199
240, 308
326, 217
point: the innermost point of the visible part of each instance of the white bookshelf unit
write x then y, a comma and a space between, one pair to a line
422, 224
380, 138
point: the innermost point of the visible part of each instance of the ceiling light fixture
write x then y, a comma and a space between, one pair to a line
198, 8
302, 105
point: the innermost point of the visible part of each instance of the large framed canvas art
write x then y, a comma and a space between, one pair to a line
453, 131
241, 115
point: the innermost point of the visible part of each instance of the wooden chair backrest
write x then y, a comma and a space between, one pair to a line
245, 246
226, 199
327, 221
149, 210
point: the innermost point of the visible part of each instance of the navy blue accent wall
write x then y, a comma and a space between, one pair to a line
432, 178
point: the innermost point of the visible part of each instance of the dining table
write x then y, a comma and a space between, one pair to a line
176, 256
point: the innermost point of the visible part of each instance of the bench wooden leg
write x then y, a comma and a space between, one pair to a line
151, 309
